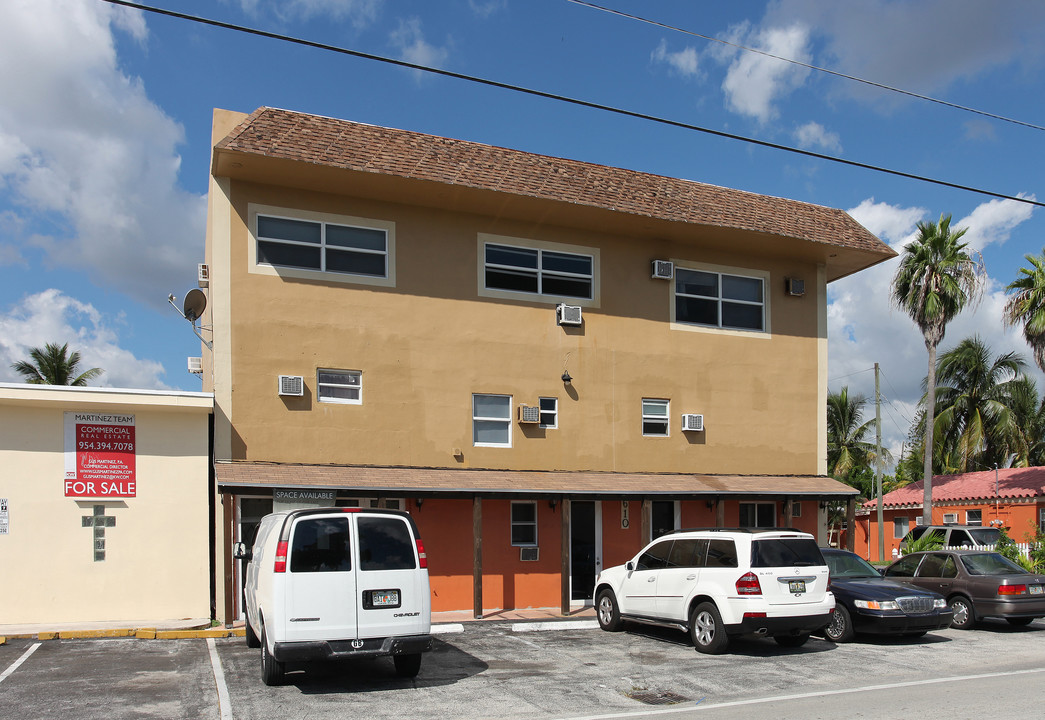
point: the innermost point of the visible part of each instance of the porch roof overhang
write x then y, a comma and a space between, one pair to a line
462, 482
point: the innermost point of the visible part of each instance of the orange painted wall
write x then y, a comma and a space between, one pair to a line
1019, 520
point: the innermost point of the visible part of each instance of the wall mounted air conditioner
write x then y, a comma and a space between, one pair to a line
203, 275
692, 423
950, 518
568, 314
195, 365
796, 286
293, 385
529, 414
663, 270
529, 554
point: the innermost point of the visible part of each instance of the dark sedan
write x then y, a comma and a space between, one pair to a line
865, 602
976, 583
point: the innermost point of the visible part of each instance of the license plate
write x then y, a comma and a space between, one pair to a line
796, 586
1036, 589
384, 598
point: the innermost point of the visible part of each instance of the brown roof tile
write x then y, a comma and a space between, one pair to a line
1012, 483
367, 148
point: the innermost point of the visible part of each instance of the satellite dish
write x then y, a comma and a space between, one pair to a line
194, 305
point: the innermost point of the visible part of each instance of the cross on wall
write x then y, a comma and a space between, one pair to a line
99, 521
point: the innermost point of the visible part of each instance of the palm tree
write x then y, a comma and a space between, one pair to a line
936, 279
846, 447
54, 365
1026, 306
975, 421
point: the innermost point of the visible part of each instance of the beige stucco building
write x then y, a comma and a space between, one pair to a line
105, 505
545, 361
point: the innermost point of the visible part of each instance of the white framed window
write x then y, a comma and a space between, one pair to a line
974, 517
655, 415
492, 420
340, 386
549, 412
510, 267
524, 523
313, 245
719, 299
901, 526
757, 514
796, 509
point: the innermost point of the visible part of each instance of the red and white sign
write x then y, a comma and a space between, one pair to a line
99, 455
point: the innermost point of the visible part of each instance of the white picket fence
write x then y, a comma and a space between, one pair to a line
1024, 548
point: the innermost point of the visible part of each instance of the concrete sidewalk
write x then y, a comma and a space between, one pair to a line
442, 623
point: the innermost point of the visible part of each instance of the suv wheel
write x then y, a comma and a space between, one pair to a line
607, 611
271, 668
964, 613
707, 631
840, 629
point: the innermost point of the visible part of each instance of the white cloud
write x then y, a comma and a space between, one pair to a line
53, 317
993, 222
82, 146
359, 12
864, 327
814, 135
413, 47
755, 82
684, 62
488, 8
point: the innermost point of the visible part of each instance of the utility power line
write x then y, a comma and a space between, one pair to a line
567, 99
836, 73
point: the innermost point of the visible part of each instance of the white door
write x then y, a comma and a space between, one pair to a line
320, 580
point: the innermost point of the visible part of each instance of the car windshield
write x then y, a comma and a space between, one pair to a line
849, 565
991, 564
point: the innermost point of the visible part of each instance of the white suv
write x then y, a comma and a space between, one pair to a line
337, 582
718, 582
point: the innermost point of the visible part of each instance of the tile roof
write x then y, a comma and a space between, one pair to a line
1012, 483
454, 480
305, 138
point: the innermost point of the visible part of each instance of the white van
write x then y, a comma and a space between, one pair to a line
329, 583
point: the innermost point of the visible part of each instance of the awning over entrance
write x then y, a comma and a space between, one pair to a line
451, 481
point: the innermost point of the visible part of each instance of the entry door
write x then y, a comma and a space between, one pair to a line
585, 549
251, 510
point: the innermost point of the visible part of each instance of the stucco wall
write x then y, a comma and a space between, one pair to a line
156, 556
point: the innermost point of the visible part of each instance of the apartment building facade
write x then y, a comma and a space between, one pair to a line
545, 361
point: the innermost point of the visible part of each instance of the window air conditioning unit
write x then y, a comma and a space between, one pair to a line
950, 518
568, 314
203, 275
195, 365
291, 385
796, 286
529, 414
692, 423
529, 554
663, 270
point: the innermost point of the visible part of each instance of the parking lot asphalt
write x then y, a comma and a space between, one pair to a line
496, 669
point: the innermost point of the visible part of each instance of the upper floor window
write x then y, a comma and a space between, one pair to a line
720, 300
322, 246
492, 420
539, 271
340, 386
549, 412
655, 417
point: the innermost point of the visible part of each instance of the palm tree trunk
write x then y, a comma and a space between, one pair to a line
930, 408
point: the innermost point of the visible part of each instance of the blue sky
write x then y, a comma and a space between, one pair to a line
105, 138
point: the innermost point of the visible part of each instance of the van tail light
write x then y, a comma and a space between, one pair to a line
749, 585
281, 558
422, 558
1012, 589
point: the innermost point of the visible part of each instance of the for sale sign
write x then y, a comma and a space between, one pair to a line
99, 455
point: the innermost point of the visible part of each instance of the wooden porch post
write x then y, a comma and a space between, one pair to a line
228, 504
477, 557
850, 522
720, 512
647, 520
565, 508
788, 509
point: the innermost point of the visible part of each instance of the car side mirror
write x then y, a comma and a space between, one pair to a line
240, 551
629, 566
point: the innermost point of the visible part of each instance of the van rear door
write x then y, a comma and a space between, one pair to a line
320, 580
394, 596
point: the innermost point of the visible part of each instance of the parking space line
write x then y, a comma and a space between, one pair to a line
224, 703
19, 661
